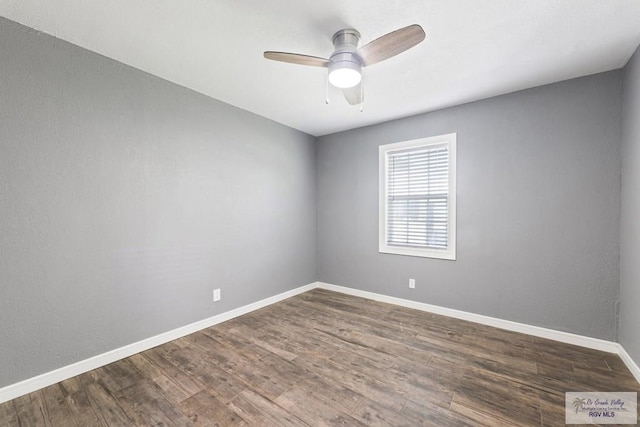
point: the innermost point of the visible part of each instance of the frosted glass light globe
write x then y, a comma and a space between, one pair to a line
344, 74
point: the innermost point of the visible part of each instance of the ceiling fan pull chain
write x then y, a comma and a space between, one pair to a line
362, 95
327, 91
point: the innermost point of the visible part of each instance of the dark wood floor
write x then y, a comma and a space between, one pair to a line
324, 358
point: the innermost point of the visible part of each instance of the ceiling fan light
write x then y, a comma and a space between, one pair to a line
344, 74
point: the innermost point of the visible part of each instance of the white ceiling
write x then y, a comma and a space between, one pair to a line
474, 48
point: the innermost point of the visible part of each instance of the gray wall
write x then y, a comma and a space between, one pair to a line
125, 200
630, 212
538, 208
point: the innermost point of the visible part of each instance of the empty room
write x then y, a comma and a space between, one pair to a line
298, 213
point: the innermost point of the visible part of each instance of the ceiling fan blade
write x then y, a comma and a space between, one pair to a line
295, 58
391, 44
353, 94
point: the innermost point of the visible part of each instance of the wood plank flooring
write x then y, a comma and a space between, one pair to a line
323, 358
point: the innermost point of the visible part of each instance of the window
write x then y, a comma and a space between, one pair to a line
418, 197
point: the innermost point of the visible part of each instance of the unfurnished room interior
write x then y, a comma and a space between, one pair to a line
297, 213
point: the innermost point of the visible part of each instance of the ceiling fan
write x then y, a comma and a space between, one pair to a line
346, 62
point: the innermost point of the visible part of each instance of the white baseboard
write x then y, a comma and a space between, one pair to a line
594, 343
631, 364
32, 384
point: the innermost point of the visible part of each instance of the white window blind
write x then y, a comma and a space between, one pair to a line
417, 196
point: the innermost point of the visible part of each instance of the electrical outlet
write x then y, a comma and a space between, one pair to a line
216, 295
412, 283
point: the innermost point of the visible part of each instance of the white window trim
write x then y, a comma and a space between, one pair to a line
450, 252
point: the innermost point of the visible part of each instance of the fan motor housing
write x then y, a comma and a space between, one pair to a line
346, 40
345, 68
